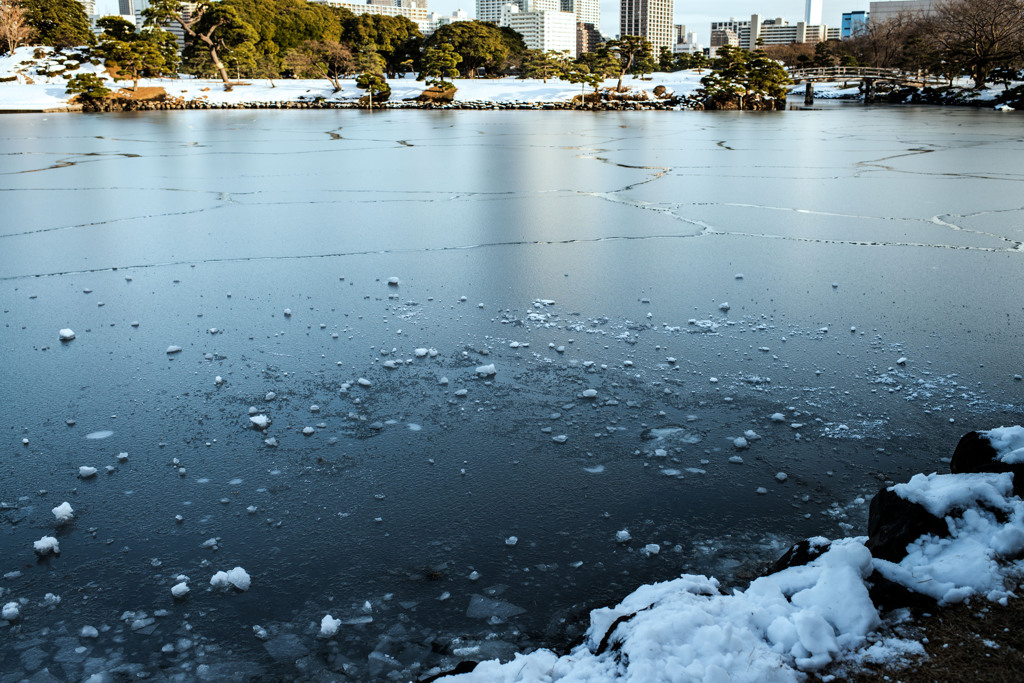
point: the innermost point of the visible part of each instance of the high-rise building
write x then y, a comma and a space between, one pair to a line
854, 23
812, 16
651, 19
542, 29
882, 12
586, 11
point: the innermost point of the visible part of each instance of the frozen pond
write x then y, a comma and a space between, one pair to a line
719, 333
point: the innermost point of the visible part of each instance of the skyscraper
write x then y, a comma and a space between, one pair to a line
651, 19
812, 17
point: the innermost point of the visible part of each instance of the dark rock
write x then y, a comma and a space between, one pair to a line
889, 595
797, 556
893, 523
975, 453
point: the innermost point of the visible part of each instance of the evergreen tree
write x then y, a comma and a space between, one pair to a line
439, 63
60, 23
216, 26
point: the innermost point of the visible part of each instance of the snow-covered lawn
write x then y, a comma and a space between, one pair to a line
33, 91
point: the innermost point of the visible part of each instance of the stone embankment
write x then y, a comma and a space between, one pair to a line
121, 105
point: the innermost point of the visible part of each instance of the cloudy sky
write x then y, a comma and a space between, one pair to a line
696, 15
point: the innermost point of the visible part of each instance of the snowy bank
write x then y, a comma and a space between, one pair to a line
31, 83
820, 607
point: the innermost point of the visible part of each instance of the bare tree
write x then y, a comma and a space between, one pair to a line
980, 34
14, 27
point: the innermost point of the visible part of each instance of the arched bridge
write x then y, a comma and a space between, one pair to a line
864, 73
868, 76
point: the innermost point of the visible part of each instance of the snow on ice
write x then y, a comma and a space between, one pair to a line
46, 545
63, 512
236, 577
329, 625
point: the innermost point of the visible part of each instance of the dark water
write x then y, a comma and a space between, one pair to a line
590, 251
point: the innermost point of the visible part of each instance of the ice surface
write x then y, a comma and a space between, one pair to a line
481, 607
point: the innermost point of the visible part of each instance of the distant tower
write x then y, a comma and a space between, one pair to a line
812, 17
126, 8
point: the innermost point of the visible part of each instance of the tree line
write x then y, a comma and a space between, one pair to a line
234, 39
982, 39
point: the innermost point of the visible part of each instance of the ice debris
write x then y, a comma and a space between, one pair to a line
85, 471
260, 421
46, 545
329, 625
173, 349
66, 334
63, 512
236, 577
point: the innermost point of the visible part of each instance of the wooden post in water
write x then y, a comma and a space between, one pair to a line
808, 94
869, 90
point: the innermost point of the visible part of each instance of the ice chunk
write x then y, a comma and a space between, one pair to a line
420, 352
260, 421
236, 577
740, 442
46, 545
85, 471
89, 632
487, 608
287, 312
11, 611
589, 393
782, 476
511, 540
724, 306
901, 361
180, 590
651, 549
173, 349
363, 382
66, 334
486, 370
63, 512
623, 535
735, 459
393, 281
308, 431
778, 417
329, 626
561, 438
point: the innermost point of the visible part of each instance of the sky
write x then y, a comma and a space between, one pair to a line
696, 15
